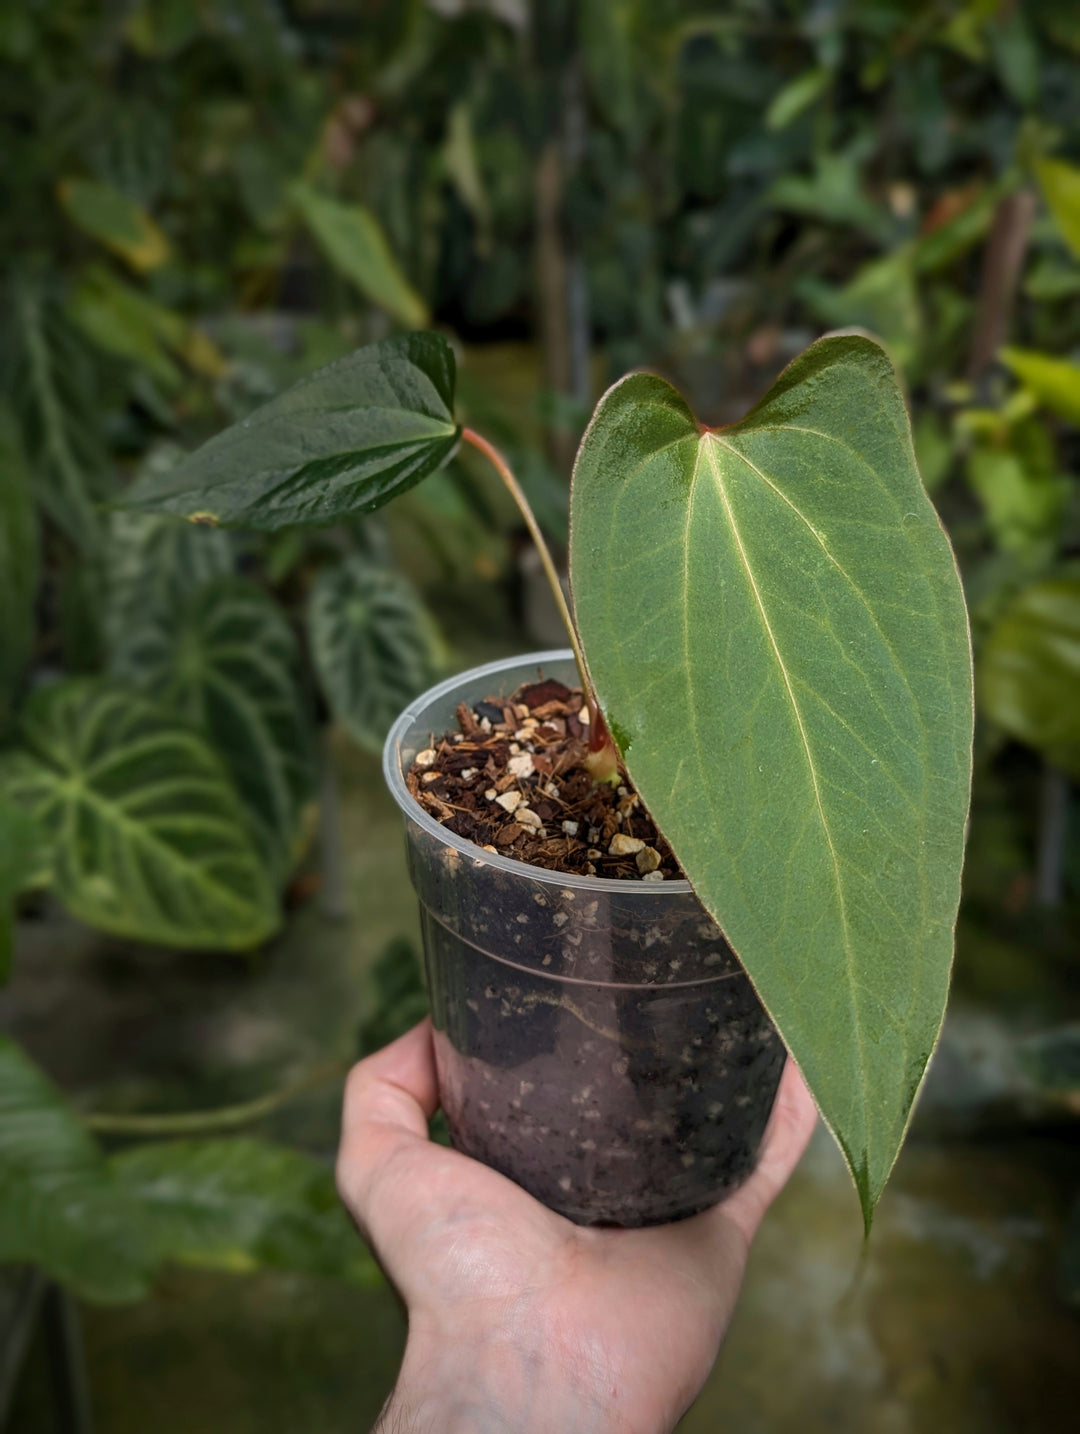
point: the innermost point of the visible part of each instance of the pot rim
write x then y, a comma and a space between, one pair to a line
415, 812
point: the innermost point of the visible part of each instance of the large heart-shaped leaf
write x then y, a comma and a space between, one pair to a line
225, 659
18, 564
242, 1204
60, 1205
342, 442
1029, 670
374, 644
774, 622
149, 838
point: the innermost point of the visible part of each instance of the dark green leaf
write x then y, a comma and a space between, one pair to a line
149, 838
374, 644
342, 442
774, 622
24, 861
1029, 672
241, 1204
60, 1206
225, 660
18, 565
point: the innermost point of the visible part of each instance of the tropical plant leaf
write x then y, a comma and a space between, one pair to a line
155, 563
242, 1204
60, 1205
225, 660
1029, 670
19, 561
342, 442
1060, 184
774, 622
149, 838
374, 644
54, 400
116, 221
1055, 382
354, 241
23, 863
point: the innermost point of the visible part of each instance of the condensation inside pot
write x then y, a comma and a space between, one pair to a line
606, 1050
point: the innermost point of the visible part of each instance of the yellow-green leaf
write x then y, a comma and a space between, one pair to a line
355, 243
1060, 184
774, 622
1054, 382
116, 221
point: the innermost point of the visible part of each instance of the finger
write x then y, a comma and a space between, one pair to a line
389, 1098
787, 1135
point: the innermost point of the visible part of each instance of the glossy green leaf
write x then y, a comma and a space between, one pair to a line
775, 626
24, 862
342, 442
1060, 184
1055, 382
19, 562
355, 243
149, 838
60, 1206
1029, 670
116, 221
374, 644
242, 1204
225, 659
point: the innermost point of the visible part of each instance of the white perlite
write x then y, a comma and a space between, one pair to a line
622, 845
521, 766
510, 801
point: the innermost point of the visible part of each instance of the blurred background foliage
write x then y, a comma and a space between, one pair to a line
200, 202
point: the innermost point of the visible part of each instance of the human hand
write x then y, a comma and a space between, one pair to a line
520, 1320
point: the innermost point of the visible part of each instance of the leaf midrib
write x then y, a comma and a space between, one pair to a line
714, 442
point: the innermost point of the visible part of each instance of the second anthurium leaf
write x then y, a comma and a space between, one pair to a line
341, 442
773, 619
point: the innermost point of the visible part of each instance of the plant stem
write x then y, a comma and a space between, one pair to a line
224, 1118
499, 463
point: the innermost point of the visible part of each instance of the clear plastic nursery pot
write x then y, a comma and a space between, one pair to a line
596, 1040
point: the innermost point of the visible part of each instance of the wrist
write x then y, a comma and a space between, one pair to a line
498, 1382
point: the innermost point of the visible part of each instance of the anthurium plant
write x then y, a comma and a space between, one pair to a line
769, 623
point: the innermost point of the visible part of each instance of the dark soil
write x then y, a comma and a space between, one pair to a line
513, 780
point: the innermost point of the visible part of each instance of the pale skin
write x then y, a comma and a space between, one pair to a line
521, 1322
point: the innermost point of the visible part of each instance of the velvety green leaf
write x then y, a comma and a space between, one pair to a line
1060, 184
342, 442
242, 1204
355, 243
1055, 382
1029, 670
149, 838
23, 862
775, 626
60, 1206
374, 644
19, 561
116, 221
225, 659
